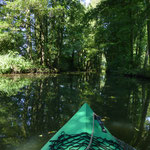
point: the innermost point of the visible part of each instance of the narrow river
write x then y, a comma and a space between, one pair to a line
33, 107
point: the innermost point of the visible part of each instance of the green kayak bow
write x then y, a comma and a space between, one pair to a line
82, 132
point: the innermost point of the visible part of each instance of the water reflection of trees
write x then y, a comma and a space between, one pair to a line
47, 103
130, 99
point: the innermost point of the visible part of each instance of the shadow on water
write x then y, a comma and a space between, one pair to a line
32, 108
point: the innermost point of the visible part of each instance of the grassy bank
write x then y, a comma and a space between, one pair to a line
13, 63
16, 64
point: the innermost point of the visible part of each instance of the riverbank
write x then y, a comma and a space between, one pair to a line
141, 73
134, 73
13, 63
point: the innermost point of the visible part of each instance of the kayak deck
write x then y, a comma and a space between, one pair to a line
83, 132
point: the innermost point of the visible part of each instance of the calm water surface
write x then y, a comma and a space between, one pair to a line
33, 107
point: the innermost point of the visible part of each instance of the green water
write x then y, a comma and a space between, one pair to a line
32, 107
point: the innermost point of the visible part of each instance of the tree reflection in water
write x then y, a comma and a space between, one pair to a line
32, 108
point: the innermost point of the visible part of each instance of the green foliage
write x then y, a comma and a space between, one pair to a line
64, 35
51, 34
13, 63
121, 33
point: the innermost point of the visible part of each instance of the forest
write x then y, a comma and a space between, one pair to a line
66, 35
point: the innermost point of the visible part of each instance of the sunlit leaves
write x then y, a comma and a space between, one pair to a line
12, 62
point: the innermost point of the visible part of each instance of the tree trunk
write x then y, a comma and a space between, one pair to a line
148, 28
29, 38
146, 59
131, 36
46, 40
41, 46
148, 38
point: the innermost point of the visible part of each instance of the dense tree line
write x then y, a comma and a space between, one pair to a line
49, 33
64, 35
123, 33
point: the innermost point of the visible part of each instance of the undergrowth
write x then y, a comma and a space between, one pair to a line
14, 63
